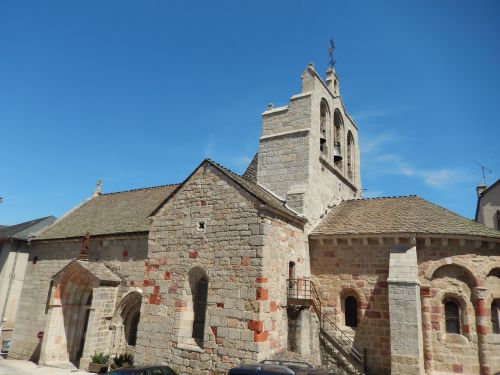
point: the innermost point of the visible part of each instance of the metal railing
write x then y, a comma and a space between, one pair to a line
304, 289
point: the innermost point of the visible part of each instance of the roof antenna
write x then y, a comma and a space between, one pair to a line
484, 170
332, 61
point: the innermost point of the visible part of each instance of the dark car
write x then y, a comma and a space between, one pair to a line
298, 367
261, 369
143, 370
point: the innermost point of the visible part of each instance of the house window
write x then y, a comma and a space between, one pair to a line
452, 317
495, 316
351, 311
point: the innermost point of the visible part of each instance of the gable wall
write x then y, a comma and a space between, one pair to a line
489, 205
232, 252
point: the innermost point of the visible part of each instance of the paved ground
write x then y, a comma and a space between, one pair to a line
13, 367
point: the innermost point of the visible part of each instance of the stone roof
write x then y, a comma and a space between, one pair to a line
251, 172
113, 213
408, 214
98, 270
251, 187
22, 231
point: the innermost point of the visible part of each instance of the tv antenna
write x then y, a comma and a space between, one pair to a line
484, 171
330, 53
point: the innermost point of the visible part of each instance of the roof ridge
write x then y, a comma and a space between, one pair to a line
388, 197
139, 189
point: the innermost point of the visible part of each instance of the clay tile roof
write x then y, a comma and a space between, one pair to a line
251, 172
257, 191
410, 214
114, 213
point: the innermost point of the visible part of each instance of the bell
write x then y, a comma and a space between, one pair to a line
336, 154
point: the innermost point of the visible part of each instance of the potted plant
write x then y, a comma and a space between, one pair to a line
99, 363
122, 360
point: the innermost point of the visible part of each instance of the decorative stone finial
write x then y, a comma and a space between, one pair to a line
98, 188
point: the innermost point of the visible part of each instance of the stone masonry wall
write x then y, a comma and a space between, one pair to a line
284, 242
290, 162
349, 267
457, 269
231, 252
125, 256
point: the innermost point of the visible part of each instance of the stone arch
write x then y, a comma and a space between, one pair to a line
324, 127
125, 322
431, 271
76, 309
345, 295
193, 306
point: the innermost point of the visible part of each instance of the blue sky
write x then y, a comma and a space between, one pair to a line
138, 93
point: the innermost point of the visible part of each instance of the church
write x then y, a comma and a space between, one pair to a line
223, 269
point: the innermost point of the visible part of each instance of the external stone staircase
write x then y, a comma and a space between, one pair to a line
337, 348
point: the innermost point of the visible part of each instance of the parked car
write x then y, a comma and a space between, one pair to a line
261, 369
143, 370
298, 367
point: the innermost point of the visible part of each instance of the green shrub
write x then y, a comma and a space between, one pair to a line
99, 358
122, 360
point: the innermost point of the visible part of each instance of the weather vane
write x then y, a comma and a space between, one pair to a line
330, 53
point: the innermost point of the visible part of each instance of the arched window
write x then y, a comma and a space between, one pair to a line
495, 316
350, 155
351, 311
452, 317
132, 332
199, 292
324, 119
338, 125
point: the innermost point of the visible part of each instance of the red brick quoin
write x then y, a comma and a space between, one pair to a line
262, 294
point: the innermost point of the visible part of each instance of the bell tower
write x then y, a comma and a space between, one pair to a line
308, 149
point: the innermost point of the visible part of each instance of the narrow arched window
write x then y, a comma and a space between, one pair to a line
132, 333
452, 317
199, 294
495, 316
338, 125
323, 127
350, 155
351, 311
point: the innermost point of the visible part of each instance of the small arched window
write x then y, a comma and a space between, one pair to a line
350, 155
495, 316
351, 311
324, 119
452, 317
199, 292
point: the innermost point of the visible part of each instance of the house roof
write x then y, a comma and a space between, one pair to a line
251, 172
251, 187
23, 231
97, 269
113, 213
408, 214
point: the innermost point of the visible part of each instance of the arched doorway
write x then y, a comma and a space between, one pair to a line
126, 322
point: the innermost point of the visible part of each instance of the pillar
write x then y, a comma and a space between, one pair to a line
425, 294
481, 329
405, 311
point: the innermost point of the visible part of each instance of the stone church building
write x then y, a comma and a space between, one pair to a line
223, 269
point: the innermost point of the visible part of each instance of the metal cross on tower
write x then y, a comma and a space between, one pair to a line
330, 53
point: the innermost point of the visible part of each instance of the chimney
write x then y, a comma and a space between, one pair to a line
480, 189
